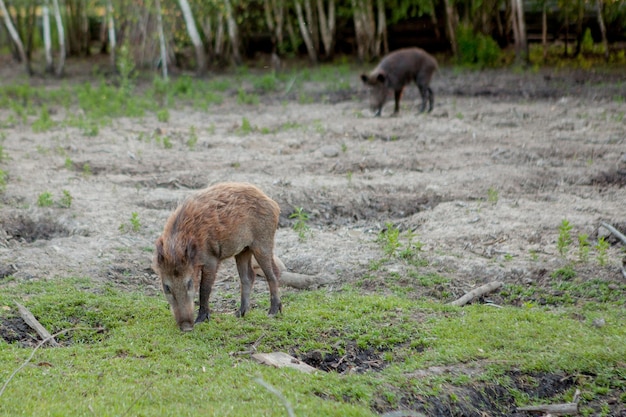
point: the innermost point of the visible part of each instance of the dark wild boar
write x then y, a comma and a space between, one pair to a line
228, 219
396, 70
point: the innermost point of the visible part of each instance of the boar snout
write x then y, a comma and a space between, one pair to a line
186, 326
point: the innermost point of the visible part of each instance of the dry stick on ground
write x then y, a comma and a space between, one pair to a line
33, 354
475, 293
34, 323
613, 230
278, 394
555, 409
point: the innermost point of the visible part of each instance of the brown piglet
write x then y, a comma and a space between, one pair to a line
224, 220
395, 71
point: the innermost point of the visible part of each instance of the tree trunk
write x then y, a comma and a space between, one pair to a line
311, 20
233, 32
161, 40
275, 18
327, 26
451, 23
47, 38
112, 38
192, 30
605, 42
381, 32
16, 37
519, 32
544, 29
306, 35
579, 27
61, 34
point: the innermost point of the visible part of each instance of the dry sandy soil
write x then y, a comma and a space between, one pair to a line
549, 145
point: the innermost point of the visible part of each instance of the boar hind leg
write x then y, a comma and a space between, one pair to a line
431, 99
206, 284
266, 262
246, 276
424, 93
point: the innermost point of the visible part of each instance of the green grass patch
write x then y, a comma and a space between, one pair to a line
125, 355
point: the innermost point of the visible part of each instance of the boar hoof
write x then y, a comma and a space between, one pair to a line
202, 316
275, 309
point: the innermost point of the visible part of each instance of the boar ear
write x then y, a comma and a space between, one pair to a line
191, 251
381, 77
159, 250
364, 78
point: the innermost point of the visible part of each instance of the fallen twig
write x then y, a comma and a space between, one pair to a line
252, 349
34, 323
477, 292
40, 344
615, 232
277, 393
555, 409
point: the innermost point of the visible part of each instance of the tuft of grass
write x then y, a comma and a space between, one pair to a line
193, 138
45, 199
300, 225
133, 225
66, 199
601, 251
245, 98
565, 239
492, 195
246, 126
3, 180
583, 248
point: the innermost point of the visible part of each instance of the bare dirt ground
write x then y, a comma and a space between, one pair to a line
550, 146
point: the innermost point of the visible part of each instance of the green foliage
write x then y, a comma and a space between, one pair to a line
193, 138
583, 247
300, 225
134, 224
66, 199
565, 239
163, 115
587, 41
246, 126
492, 195
44, 122
601, 248
565, 273
45, 199
3, 180
266, 83
245, 98
476, 49
389, 238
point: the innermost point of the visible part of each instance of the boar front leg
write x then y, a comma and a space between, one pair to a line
207, 279
397, 95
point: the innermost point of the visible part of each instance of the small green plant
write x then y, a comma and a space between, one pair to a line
193, 138
565, 239
266, 83
68, 163
3, 154
300, 225
492, 195
45, 199
86, 169
565, 273
3, 180
44, 122
389, 237
583, 248
412, 247
167, 142
66, 199
602, 247
134, 224
163, 115
245, 98
246, 126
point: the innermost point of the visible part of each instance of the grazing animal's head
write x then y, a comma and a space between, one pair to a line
175, 263
377, 82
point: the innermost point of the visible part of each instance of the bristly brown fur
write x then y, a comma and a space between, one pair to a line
227, 219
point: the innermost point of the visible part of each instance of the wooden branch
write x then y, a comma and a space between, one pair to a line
293, 279
34, 323
553, 409
613, 230
477, 292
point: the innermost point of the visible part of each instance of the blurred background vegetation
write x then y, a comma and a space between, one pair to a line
203, 35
